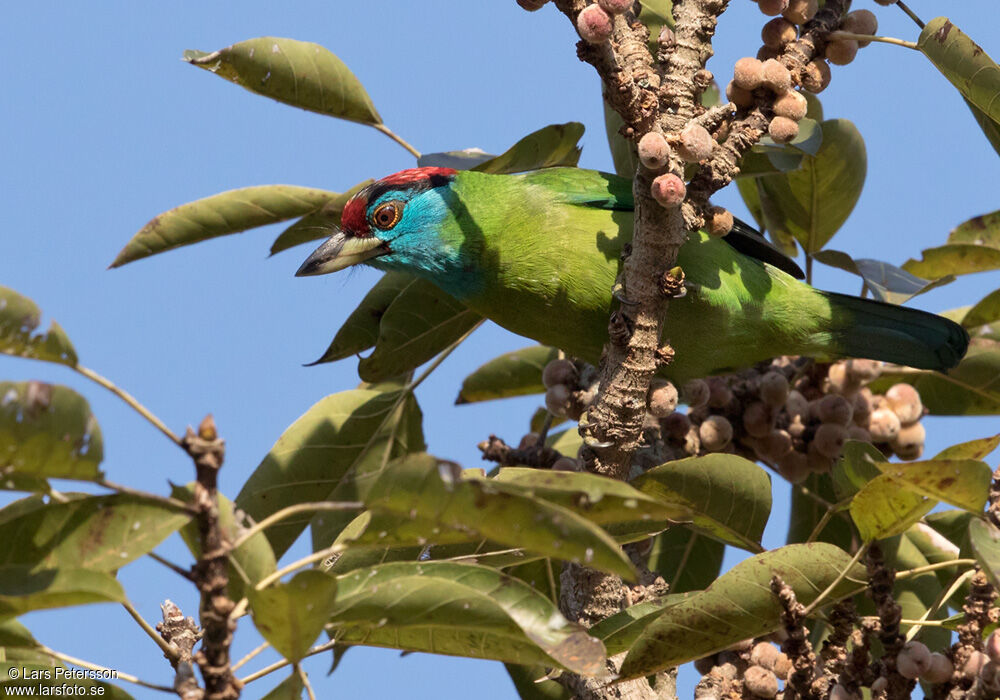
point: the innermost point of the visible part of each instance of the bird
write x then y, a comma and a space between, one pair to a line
539, 254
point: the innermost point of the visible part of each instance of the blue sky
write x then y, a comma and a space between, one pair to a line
104, 126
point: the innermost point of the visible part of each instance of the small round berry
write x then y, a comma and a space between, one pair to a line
783, 667
695, 143
718, 221
909, 442
796, 404
835, 409
760, 682
774, 389
565, 464
856, 432
791, 105
883, 425
829, 439
879, 685
990, 676
865, 370
772, 7
705, 664
719, 393
840, 378
594, 24
765, 53
764, 654
905, 402
816, 76
941, 669
557, 399
662, 398
841, 51
757, 419
532, 5
819, 463
715, 432
862, 407
529, 440
675, 427
748, 73
783, 129
860, 22
974, 665
913, 660
801, 11
992, 646
776, 445
654, 151
794, 467
778, 32
775, 77
669, 190
696, 393
615, 7
560, 372
739, 96
839, 692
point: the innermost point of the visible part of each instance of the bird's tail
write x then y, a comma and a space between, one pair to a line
880, 331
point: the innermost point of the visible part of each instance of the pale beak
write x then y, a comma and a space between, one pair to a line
340, 251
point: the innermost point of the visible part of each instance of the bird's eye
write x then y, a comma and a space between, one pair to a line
387, 215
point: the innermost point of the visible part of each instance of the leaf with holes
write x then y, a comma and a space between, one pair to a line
48, 430
739, 605
291, 615
460, 610
298, 73
514, 373
19, 319
319, 223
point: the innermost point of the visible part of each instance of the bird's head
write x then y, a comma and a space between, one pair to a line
390, 224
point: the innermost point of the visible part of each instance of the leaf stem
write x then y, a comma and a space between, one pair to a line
173, 503
177, 569
289, 511
168, 649
305, 682
128, 677
249, 656
130, 400
397, 138
911, 13
441, 357
836, 582
319, 555
867, 37
943, 598
285, 662
910, 573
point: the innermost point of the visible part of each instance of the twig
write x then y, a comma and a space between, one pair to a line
289, 511
130, 400
839, 34
167, 501
910, 573
305, 682
319, 555
943, 598
913, 15
168, 649
285, 662
112, 673
179, 570
397, 138
251, 655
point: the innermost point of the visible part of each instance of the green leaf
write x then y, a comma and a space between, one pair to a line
855, 468
319, 223
985, 540
623, 151
220, 215
915, 595
990, 128
291, 615
807, 512
551, 146
739, 605
979, 230
954, 259
99, 533
419, 486
973, 449
887, 282
566, 442
729, 496
807, 142
686, 559
963, 483
466, 159
23, 590
986, 310
298, 73
19, 319
512, 374
934, 548
332, 452
250, 563
620, 631
460, 610
963, 63
289, 689
885, 507
529, 687
953, 525
812, 203
969, 389
418, 324
14, 634
48, 430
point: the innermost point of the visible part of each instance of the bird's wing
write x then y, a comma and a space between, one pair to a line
592, 188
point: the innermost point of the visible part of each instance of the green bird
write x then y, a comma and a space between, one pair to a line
539, 252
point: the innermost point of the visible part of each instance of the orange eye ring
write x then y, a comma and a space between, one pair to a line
387, 215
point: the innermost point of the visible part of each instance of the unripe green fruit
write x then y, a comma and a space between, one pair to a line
593, 24
557, 399
940, 671
783, 129
757, 419
532, 5
816, 76
841, 51
615, 7
778, 32
774, 388
764, 654
794, 467
695, 143
715, 432
654, 151
719, 393
883, 425
914, 660
974, 665
696, 393
565, 464
748, 73
905, 402
760, 682
668, 189
776, 445
560, 372
860, 22
909, 442
791, 105
834, 409
801, 11
662, 398
772, 7
739, 96
775, 77
718, 222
